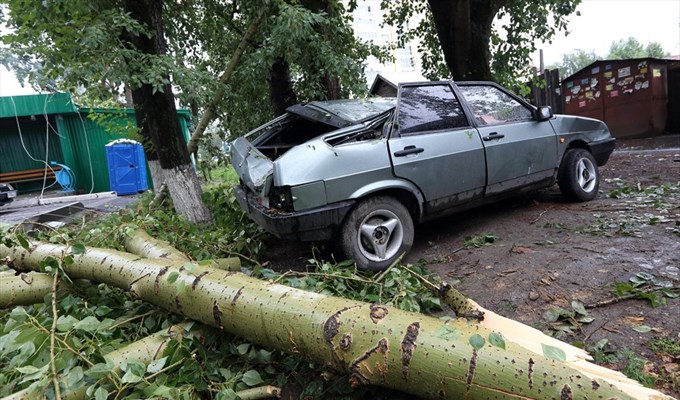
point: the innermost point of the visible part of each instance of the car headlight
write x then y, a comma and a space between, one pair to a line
280, 198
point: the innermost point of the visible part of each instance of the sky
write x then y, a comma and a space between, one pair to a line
601, 22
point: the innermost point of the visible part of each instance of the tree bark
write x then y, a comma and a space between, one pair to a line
157, 117
374, 344
24, 289
281, 93
464, 32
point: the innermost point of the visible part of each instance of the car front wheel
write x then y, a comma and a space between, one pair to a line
376, 232
579, 177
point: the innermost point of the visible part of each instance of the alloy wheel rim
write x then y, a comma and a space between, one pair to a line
380, 235
586, 175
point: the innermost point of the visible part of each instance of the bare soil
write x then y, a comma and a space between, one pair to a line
550, 252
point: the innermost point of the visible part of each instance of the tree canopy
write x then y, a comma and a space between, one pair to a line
618, 50
77, 46
459, 39
632, 48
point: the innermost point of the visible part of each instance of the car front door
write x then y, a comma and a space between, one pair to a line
433, 145
520, 150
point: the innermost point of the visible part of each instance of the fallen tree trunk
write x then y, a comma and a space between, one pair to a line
24, 289
142, 244
374, 344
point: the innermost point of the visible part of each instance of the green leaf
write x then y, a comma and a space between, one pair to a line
553, 353
66, 322
156, 365
172, 277
243, 348
78, 248
578, 307
101, 394
252, 378
476, 341
497, 340
189, 267
89, 324
74, 376
447, 333
552, 314
23, 242
642, 328
181, 286
100, 370
134, 371
27, 370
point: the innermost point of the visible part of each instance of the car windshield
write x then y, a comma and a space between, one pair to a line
345, 112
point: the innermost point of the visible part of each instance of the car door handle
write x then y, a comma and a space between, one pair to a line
493, 135
408, 150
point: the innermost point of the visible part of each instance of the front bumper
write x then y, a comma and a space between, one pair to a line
602, 149
320, 223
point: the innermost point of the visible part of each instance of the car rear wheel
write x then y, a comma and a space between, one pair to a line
376, 232
579, 177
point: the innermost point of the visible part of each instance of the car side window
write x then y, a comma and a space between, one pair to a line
429, 108
492, 106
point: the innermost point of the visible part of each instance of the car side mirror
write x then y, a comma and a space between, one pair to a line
544, 113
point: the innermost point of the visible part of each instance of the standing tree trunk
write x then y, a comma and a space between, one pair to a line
157, 117
281, 93
464, 31
374, 344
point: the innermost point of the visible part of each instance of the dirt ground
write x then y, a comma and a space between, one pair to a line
549, 252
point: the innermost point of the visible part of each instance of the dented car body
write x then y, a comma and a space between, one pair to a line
361, 172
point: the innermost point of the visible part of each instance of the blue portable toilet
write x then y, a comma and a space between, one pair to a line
127, 167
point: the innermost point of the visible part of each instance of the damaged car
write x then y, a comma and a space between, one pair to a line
362, 172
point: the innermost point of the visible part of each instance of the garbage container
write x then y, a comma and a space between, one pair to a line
127, 167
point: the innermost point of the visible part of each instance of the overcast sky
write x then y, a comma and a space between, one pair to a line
601, 22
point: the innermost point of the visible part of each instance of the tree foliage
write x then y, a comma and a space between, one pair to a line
574, 61
458, 39
632, 48
78, 47
577, 59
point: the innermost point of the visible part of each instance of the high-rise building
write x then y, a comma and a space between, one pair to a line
368, 18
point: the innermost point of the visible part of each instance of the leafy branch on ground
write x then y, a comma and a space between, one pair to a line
563, 322
642, 286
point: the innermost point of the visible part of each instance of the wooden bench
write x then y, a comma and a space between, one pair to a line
28, 175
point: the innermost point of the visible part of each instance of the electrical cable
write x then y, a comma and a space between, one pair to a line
23, 145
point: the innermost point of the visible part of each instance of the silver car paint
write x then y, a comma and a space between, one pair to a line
570, 128
250, 164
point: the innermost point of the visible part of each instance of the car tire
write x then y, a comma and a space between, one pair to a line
376, 232
579, 177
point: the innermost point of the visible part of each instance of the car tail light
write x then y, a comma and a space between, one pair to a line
280, 197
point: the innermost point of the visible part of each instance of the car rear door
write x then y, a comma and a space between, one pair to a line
520, 150
433, 145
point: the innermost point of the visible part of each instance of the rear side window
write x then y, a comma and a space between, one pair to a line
492, 106
429, 108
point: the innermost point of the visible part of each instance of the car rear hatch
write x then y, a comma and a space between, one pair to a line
250, 164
